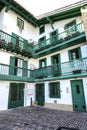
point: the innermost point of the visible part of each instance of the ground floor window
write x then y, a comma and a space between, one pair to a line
54, 90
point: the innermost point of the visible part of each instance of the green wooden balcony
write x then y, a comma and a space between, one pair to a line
68, 69
78, 66
71, 36
8, 72
11, 44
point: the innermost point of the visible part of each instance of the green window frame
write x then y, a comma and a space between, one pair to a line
54, 36
74, 53
42, 41
42, 63
42, 29
54, 90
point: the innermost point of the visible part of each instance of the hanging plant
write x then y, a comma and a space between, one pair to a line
2, 44
17, 49
10, 47
25, 53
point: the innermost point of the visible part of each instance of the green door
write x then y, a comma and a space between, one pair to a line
56, 65
16, 95
78, 95
40, 94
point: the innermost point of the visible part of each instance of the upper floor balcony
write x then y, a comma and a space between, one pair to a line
15, 44
68, 69
12, 73
71, 36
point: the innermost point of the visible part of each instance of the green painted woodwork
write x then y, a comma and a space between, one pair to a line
25, 45
50, 21
12, 66
71, 11
42, 63
78, 95
42, 42
54, 90
54, 36
21, 11
13, 38
15, 43
66, 68
55, 61
71, 69
61, 41
16, 95
25, 68
40, 94
74, 54
7, 8
42, 29
70, 27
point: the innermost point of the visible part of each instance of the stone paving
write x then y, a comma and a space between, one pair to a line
40, 118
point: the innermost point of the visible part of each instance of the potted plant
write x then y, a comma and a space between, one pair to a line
10, 47
25, 53
17, 48
2, 44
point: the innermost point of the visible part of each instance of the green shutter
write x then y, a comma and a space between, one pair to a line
54, 38
40, 63
12, 64
57, 84
13, 38
25, 44
25, 67
58, 87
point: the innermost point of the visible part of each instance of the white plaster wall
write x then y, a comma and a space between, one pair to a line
4, 57
29, 92
4, 93
84, 50
64, 57
85, 89
65, 93
58, 25
10, 20
1, 19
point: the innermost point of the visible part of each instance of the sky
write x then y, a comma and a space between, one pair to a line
39, 7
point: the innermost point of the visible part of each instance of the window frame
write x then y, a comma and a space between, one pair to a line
55, 85
40, 63
41, 29
72, 50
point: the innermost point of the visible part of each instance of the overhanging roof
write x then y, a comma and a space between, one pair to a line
50, 17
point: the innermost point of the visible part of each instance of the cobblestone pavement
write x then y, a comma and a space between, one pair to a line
40, 118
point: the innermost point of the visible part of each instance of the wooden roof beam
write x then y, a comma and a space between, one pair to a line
50, 21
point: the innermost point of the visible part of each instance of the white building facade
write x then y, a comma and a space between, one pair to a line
43, 61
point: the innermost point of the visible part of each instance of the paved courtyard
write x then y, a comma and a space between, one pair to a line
39, 118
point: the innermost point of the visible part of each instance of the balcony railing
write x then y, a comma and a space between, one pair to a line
15, 71
10, 43
61, 69
67, 68
73, 31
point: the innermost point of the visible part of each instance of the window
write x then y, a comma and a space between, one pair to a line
42, 41
42, 63
54, 90
54, 36
20, 23
75, 54
41, 29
